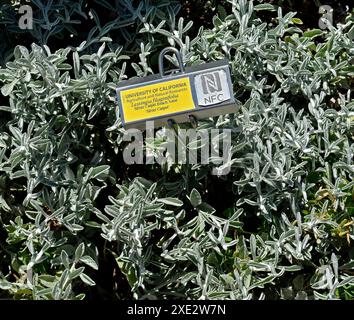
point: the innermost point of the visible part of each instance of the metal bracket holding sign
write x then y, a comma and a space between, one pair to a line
193, 93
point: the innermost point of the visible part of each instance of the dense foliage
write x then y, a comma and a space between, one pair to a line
75, 220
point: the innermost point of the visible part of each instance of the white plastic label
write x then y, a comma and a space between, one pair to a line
212, 88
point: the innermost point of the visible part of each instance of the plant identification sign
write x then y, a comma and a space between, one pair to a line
158, 99
201, 91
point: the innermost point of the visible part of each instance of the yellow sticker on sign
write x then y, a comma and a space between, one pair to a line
157, 100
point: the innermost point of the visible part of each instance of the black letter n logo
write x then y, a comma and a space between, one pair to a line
211, 83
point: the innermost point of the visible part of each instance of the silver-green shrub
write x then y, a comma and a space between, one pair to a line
64, 190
